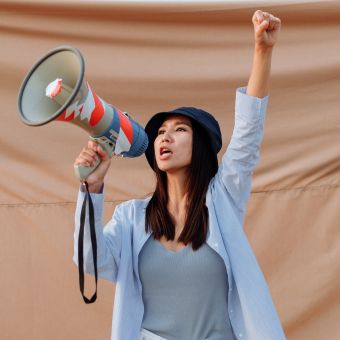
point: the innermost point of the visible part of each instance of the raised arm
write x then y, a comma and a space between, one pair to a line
242, 155
266, 30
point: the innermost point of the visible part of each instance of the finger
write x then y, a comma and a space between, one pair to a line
257, 17
262, 27
86, 159
272, 22
266, 15
90, 152
277, 21
82, 161
272, 16
103, 154
275, 24
92, 145
88, 156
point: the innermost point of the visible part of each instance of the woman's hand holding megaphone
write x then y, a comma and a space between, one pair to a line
88, 157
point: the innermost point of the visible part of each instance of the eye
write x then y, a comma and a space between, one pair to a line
180, 129
160, 132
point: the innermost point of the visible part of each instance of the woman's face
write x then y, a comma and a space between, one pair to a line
173, 144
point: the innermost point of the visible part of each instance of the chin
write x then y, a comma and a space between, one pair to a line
171, 168
164, 168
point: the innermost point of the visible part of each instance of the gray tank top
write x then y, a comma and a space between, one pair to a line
185, 293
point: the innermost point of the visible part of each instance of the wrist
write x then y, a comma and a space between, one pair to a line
263, 49
95, 188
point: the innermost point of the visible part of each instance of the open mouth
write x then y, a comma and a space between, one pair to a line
164, 151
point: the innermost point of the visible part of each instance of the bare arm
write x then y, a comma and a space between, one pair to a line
266, 31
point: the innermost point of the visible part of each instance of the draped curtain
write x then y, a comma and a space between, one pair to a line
144, 57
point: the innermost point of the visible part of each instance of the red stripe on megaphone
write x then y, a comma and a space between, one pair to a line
125, 125
98, 111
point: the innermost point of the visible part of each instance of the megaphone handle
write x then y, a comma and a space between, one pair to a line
82, 172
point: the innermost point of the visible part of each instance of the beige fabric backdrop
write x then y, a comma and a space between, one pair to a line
149, 57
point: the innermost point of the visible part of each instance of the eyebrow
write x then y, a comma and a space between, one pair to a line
178, 122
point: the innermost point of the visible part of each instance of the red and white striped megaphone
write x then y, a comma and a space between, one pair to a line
55, 89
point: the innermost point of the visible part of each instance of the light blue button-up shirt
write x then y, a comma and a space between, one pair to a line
251, 309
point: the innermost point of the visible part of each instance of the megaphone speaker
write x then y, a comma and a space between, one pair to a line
55, 89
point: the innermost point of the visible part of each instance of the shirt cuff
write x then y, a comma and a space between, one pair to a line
98, 203
83, 189
249, 107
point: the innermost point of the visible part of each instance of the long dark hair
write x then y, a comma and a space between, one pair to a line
203, 167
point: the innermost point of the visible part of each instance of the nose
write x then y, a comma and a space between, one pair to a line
166, 137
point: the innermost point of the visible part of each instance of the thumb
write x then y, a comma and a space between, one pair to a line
262, 27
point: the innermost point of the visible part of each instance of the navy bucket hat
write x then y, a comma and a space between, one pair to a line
205, 119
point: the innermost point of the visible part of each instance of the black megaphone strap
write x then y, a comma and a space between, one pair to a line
81, 245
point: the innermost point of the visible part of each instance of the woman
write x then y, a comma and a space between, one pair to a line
196, 277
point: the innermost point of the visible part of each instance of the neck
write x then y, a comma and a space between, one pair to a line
177, 193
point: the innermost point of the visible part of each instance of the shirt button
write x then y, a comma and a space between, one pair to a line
231, 311
240, 335
216, 245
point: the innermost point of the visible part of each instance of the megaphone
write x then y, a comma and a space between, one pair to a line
55, 90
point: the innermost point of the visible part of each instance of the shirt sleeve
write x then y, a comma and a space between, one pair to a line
109, 239
242, 155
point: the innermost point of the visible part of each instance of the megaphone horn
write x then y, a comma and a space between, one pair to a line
55, 90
